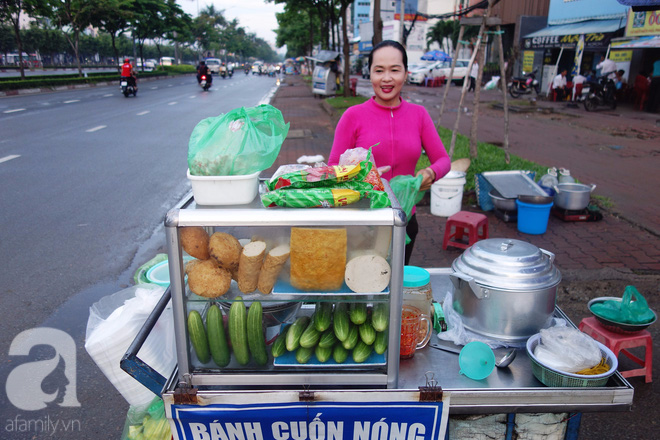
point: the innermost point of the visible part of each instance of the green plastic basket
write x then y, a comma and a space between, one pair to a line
553, 378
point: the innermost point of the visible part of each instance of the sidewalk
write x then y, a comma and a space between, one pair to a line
595, 258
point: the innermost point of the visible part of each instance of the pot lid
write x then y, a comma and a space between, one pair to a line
508, 264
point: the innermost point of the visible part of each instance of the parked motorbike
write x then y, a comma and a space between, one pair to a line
205, 82
523, 85
127, 87
601, 93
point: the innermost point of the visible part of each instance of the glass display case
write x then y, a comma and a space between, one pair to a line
351, 234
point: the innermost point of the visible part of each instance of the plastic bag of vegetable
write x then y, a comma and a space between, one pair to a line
406, 190
147, 422
632, 309
242, 141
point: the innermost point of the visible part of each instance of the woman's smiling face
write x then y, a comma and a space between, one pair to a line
388, 73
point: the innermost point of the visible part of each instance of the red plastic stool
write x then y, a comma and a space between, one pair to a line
618, 342
472, 224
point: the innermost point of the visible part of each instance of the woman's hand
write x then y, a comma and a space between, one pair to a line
428, 179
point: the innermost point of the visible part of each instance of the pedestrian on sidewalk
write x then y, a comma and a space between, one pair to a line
473, 75
396, 130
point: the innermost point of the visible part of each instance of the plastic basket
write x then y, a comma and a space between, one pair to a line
553, 378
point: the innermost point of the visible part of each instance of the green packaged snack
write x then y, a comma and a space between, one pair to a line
321, 177
325, 197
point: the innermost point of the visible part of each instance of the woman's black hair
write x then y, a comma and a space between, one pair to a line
390, 43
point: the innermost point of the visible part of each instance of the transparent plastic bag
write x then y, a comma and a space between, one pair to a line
632, 309
147, 422
242, 141
567, 349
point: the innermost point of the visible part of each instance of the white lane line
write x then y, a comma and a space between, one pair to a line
143, 113
193, 96
172, 103
92, 130
171, 85
14, 110
8, 158
108, 95
70, 101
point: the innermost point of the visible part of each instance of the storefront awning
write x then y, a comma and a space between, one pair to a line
597, 34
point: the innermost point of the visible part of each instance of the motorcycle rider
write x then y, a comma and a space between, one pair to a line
203, 69
128, 73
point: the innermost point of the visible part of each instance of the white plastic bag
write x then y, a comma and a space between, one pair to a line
492, 84
567, 349
114, 322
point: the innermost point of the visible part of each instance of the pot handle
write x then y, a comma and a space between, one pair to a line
555, 188
593, 187
456, 279
549, 254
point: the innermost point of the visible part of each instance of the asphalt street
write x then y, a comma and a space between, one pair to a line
87, 178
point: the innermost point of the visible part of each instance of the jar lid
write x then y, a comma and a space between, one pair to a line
508, 264
414, 276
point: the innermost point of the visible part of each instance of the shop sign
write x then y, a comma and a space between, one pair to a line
329, 420
643, 23
619, 56
591, 41
528, 61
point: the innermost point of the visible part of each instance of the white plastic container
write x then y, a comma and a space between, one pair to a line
224, 190
447, 194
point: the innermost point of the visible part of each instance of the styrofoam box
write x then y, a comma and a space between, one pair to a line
225, 190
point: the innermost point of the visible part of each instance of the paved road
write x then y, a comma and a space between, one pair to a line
87, 177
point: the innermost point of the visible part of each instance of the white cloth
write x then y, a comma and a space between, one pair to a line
559, 82
607, 68
579, 79
474, 71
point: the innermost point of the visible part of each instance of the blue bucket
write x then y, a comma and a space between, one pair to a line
532, 218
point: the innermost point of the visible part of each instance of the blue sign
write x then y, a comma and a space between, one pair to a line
399, 420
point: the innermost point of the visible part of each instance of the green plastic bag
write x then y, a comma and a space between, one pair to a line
632, 309
406, 190
147, 422
242, 141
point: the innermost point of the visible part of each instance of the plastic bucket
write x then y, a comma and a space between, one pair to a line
533, 218
447, 194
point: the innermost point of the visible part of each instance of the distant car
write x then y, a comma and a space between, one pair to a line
167, 61
460, 70
417, 75
150, 64
365, 71
214, 65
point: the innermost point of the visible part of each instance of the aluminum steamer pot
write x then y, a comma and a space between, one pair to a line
573, 196
505, 289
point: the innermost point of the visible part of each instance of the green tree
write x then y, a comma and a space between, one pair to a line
7, 40
449, 29
10, 12
298, 29
113, 17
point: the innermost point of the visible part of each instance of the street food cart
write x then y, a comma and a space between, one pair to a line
326, 69
381, 397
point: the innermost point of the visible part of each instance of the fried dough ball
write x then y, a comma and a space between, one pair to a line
206, 279
195, 241
190, 264
226, 250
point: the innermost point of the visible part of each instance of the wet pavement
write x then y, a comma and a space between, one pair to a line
616, 150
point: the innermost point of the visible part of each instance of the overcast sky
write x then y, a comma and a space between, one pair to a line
256, 16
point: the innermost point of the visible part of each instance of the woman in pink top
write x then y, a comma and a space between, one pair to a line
396, 130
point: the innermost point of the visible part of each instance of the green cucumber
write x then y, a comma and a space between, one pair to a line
358, 313
304, 354
198, 336
380, 317
215, 330
295, 332
255, 333
339, 354
353, 336
380, 344
238, 331
323, 316
310, 336
323, 353
279, 346
367, 333
328, 339
341, 321
361, 352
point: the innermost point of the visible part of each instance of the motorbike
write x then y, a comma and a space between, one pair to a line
205, 82
247, 72
523, 85
601, 93
127, 88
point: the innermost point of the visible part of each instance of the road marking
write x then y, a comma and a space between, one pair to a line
70, 101
92, 130
171, 85
14, 110
8, 158
143, 113
193, 97
172, 103
154, 88
109, 94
